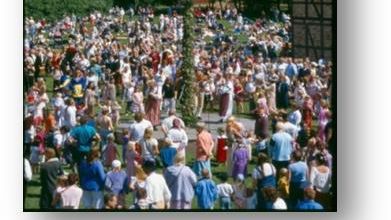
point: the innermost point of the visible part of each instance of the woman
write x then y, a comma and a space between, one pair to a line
264, 175
226, 100
92, 180
234, 130
320, 179
152, 108
261, 123
149, 146
71, 196
181, 181
90, 98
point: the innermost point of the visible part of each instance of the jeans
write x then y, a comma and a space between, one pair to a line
225, 203
92, 199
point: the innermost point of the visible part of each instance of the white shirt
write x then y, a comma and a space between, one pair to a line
71, 196
178, 137
268, 169
70, 116
27, 174
167, 122
321, 181
157, 189
224, 190
137, 129
147, 147
279, 204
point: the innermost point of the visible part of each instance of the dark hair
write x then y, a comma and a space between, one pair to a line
320, 159
73, 178
262, 158
141, 193
149, 166
64, 129
271, 193
108, 197
309, 193
224, 177
297, 155
83, 120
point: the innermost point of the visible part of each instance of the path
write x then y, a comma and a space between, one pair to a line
212, 124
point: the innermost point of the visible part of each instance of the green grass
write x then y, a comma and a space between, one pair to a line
33, 190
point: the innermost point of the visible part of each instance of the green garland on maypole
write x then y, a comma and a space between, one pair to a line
187, 70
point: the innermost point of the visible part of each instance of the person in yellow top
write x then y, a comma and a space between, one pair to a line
283, 183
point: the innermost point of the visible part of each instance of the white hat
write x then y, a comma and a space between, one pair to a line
240, 177
116, 164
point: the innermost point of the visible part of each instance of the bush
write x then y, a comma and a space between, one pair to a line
52, 10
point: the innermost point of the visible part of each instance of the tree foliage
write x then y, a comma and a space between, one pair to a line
55, 9
187, 69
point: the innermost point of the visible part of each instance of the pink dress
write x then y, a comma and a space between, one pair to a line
323, 119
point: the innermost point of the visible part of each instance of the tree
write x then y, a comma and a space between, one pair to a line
187, 70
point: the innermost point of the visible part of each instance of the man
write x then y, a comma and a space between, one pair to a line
137, 128
50, 170
291, 69
158, 193
204, 147
167, 123
298, 178
181, 181
309, 203
83, 136
281, 147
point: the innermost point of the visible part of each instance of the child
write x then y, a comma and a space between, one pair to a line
261, 145
115, 113
116, 182
110, 201
128, 97
283, 183
125, 143
130, 158
240, 159
138, 100
62, 183
222, 148
239, 195
167, 153
249, 141
251, 199
37, 152
110, 151
225, 191
205, 191
141, 196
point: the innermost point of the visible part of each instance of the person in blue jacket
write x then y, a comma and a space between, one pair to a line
206, 191
309, 203
92, 180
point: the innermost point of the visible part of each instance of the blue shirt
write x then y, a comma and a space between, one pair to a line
281, 146
116, 182
167, 155
84, 135
291, 70
298, 171
92, 175
206, 192
309, 205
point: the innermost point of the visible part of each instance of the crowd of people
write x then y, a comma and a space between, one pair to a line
106, 66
